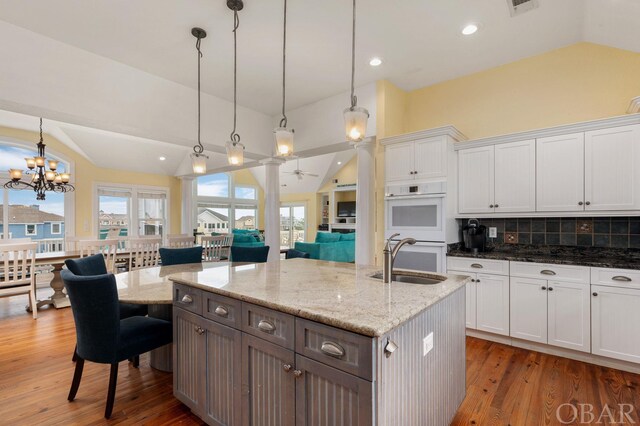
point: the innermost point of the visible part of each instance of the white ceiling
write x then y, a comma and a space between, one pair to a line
419, 40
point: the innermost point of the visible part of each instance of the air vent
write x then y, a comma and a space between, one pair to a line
518, 7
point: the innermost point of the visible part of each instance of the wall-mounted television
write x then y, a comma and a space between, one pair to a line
346, 208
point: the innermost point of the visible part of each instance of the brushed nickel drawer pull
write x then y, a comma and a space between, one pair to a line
266, 326
187, 299
332, 349
547, 272
221, 311
477, 266
621, 278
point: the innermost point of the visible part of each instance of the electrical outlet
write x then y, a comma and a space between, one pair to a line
493, 232
427, 344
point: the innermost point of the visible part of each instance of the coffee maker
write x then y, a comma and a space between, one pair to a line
474, 236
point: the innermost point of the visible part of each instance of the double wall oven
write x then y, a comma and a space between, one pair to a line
418, 211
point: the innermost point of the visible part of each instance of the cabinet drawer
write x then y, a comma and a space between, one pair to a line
485, 266
222, 309
341, 349
275, 327
187, 298
567, 273
626, 278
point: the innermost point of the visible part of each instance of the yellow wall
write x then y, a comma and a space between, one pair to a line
86, 173
348, 174
580, 82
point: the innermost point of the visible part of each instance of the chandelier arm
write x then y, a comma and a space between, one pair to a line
235, 137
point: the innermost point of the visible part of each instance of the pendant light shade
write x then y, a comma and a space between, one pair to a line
355, 117
284, 136
198, 158
235, 153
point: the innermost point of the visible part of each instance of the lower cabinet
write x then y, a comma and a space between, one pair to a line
492, 303
528, 309
470, 294
615, 322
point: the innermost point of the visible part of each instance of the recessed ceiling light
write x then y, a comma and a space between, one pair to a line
470, 29
162, 158
339, 162
374, 62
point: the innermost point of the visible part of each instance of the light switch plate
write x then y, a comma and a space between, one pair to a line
493, 232
427, 344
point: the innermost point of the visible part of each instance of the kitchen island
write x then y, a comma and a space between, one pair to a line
312, 342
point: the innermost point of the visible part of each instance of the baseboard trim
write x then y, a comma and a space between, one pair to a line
553, 350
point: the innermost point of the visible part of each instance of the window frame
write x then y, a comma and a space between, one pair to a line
59, 228
26, 230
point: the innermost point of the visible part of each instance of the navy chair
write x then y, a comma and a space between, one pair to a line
180, 256
102, 336
249, 254
95, 265
293, 254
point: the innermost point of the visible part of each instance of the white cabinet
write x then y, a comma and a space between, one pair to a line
560, 173
528, 319
500, 178
492, 303
615, 322
420, 159
470, 291
612, 175
476, 180
569, 321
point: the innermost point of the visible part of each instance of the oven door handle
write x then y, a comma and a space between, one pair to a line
413, 196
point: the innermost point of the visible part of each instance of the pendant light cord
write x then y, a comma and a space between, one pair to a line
354, 99
198, 149
235, 137
283, 122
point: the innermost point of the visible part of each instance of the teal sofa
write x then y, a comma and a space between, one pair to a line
247, 238
331, 246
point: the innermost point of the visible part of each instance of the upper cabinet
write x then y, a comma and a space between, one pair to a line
500, 178
422, 159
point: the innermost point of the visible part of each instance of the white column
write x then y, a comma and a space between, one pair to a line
272, 207
365, 202
188, 205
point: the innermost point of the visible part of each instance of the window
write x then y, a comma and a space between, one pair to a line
56, 228
114, 207
245, 217
246, 192
293, 225
30, 229
214, 185
213, 218
151, 213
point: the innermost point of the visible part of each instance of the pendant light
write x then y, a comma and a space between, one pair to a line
355, 117
198, 158
235, 150
284, 136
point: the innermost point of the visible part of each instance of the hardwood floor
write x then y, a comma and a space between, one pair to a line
505, 385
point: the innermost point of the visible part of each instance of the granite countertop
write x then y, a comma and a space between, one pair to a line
582, 256
342, 295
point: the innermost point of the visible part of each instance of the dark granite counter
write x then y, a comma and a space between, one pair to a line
565, 255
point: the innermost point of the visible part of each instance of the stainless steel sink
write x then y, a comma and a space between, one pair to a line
409, 278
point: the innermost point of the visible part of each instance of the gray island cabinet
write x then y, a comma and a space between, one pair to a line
240, 362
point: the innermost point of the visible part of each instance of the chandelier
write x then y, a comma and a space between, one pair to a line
284, 136
235, 149
355, 117
38, 178
198, 158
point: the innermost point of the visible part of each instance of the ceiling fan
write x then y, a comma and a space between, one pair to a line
300, 173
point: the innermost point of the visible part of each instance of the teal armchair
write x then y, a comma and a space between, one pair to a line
332, 247
247, 238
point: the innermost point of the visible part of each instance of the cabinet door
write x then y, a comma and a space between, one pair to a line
430, 158
515, 177
560, 173
570, 315
222, 384
188, 359
470, 291
327, 396
492, 293
399, 163
476, 180
528, 318
612, 176
615, 321
268, 389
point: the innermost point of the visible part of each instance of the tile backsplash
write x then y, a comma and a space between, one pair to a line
616, 232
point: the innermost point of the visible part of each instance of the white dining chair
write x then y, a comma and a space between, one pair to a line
144, 252
17, 272
108, 248
213, 248
180, 240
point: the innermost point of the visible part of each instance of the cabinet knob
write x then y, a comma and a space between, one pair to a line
266, 326
221, 311
477, 281
297, 373
187, 299
496, 206
491, 206
580, 203
287, 367
544, 288
550, 288
199, 329
588, 203
595, 294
